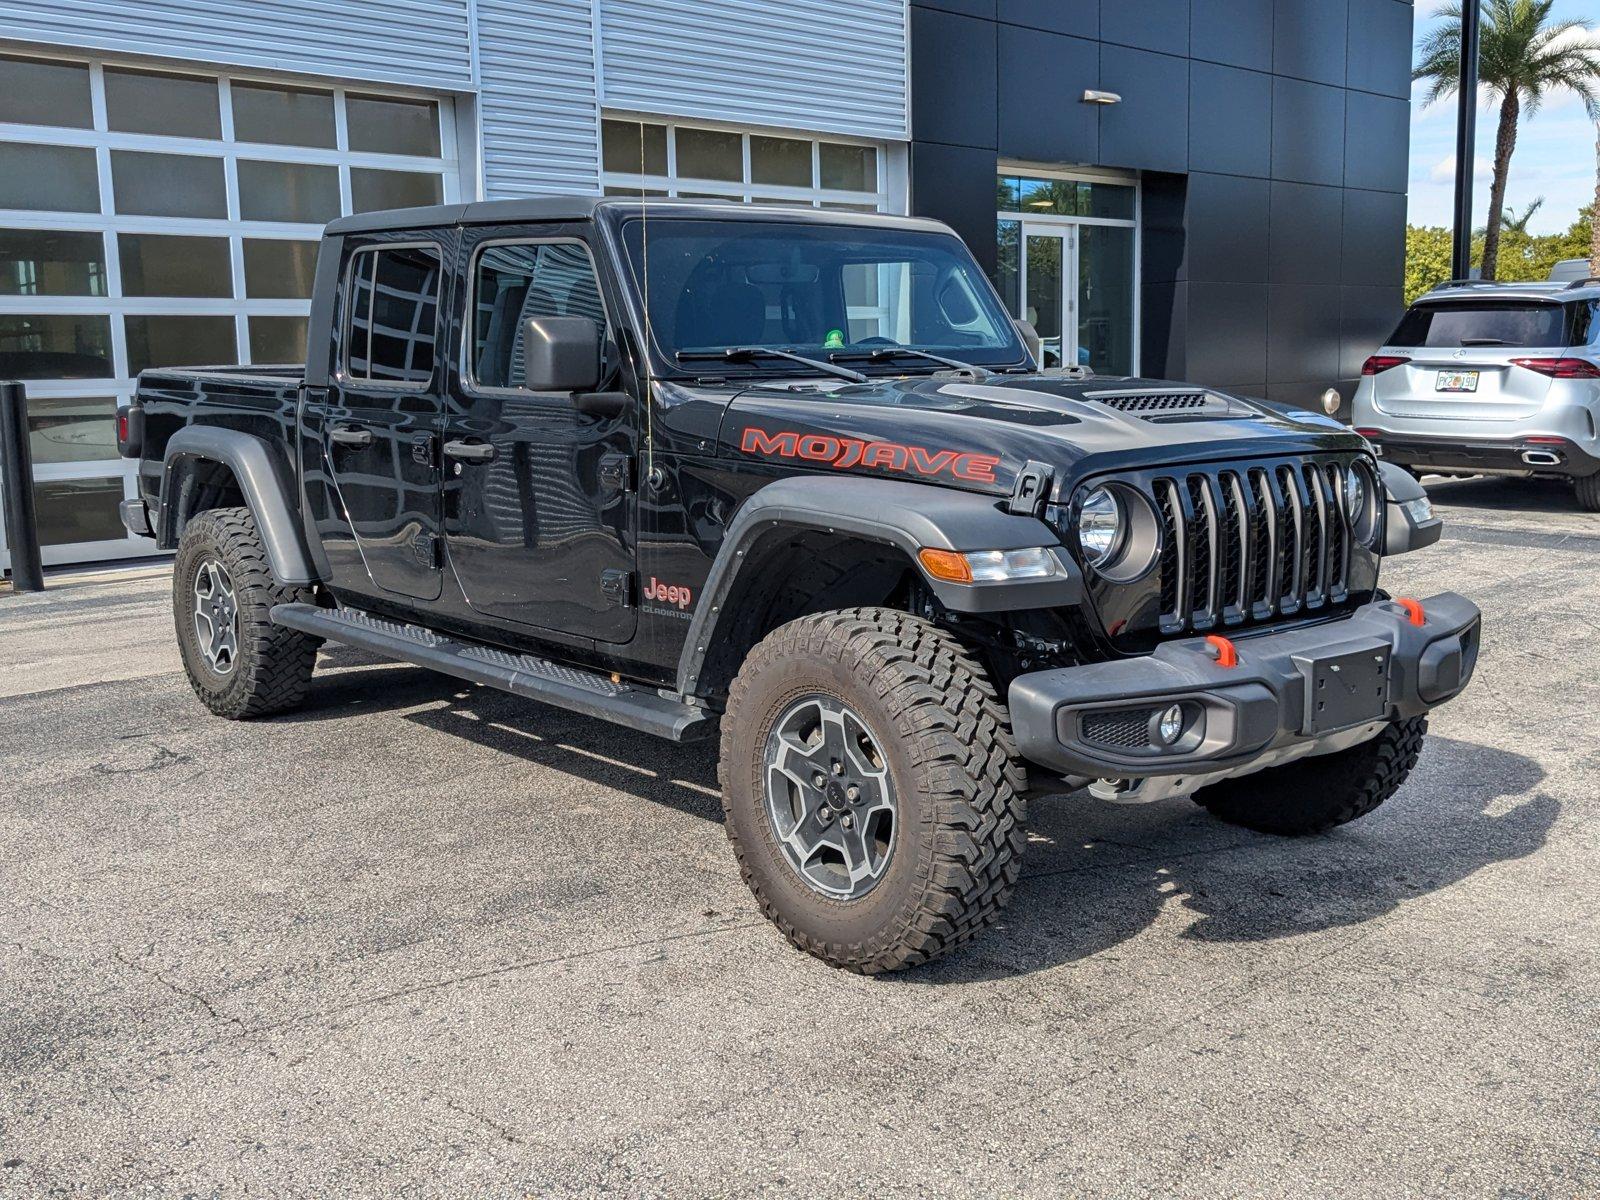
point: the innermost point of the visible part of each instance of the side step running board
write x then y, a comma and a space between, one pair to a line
520, 674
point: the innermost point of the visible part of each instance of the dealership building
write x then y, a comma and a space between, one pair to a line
1211, 190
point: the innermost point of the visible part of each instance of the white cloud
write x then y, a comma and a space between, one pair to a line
1444, 171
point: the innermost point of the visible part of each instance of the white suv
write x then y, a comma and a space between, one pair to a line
1487, 378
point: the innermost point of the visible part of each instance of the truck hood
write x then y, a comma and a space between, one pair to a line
978, 434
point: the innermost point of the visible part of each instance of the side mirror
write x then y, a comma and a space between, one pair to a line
1032, 340
560, 354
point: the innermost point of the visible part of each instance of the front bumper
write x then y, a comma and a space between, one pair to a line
1293, 691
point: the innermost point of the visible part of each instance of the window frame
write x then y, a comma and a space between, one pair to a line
469, 328
347, 320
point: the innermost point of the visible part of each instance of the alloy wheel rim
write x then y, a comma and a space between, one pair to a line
829, 797
216, 617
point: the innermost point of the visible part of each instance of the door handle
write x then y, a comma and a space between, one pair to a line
473, 453
350, 435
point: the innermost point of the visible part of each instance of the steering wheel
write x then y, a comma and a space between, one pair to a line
875, 341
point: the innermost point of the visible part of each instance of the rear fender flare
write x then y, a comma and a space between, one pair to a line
263, 479
907, 516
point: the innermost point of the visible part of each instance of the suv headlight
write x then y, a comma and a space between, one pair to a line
1355, 493
1101, 526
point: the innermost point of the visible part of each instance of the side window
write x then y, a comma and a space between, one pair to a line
394, 315
513, 282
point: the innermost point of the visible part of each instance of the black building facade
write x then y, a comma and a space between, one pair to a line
1260, 147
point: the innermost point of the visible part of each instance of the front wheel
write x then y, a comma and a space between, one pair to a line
871, 788
1317, 793
239, 663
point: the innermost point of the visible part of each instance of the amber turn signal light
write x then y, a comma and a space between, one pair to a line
948, 565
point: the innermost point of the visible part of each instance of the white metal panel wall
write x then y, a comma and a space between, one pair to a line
818, 65
417, 43
539, 100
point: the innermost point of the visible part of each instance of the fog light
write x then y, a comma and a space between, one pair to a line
1169, 727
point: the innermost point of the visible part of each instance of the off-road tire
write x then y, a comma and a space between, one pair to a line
1315, 794
1588, 492
273, 666
946, 737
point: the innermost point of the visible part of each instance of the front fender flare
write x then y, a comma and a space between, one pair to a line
909, 517
264, 481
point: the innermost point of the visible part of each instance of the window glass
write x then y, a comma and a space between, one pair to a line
516, 282
1007, 274
169, 341
36, 92
279, 191
168, 265
79, 510
782, 161
51, 262
278, 339
282, 116
1067, 198
371, 190
633, 148
385, 125
147, 102
394, 315
848, 168
279, 270
168, 185
635, 193
58, 178
54, 346
68, 430
1487, 323
710, 154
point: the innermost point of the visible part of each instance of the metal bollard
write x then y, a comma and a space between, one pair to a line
16, 474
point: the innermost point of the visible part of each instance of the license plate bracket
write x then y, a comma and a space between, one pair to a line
1456, 381
1344, 687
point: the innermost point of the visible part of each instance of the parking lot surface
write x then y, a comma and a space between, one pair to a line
427, 939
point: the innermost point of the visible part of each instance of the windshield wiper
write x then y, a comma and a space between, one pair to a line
882, 353
751, 353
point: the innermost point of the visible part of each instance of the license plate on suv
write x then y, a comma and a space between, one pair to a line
1345, 689
1456, 381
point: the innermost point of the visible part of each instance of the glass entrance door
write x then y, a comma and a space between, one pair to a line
1046, 257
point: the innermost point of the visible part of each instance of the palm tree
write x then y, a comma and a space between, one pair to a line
1515, 222
1522, 56
1594, 213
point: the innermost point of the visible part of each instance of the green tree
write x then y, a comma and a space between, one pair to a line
1427, 258
1523, 54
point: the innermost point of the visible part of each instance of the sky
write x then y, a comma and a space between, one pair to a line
1554, 158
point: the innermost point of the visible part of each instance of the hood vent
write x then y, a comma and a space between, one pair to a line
1147, 404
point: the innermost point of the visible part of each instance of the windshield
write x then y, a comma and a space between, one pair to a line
817, 290
1485, 323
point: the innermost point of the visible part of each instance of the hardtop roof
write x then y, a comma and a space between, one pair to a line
584, 208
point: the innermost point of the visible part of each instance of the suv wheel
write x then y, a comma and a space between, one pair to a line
1588, 490
871, 788
1317, 793
239, 663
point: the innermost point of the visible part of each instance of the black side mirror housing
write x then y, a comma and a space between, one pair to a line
560, 354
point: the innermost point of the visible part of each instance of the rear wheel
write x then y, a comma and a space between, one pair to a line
1316, 794
1588, 490
871, 789
239, 663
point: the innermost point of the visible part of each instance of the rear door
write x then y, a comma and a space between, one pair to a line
538, 493
377, 423
1461, 358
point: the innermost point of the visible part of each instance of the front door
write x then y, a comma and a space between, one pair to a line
538, 493
376, 503
1076, 288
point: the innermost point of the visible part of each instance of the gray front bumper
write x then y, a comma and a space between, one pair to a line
1288, 689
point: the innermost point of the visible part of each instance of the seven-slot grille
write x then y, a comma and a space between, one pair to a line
1249, 542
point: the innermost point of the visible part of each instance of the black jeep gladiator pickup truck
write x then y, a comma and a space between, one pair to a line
794, 475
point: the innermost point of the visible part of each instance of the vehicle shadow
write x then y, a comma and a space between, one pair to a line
1099, 874
1496, 493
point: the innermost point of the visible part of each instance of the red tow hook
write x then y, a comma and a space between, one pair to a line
1413, 609
1224, 651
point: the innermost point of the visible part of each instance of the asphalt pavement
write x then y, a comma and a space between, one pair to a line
423, 939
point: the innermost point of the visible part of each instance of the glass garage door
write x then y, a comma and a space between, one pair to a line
164, 218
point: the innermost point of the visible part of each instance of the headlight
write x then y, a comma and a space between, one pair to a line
1355, 493
1419, 510
1100, 526
991, 566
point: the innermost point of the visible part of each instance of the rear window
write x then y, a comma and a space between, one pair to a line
1512, 323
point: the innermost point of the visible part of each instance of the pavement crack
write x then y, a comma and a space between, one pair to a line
487, 1122
176, 989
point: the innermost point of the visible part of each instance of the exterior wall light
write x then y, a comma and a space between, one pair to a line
1095, 96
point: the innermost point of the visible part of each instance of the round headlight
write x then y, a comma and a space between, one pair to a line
1355, 493
1100, 526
